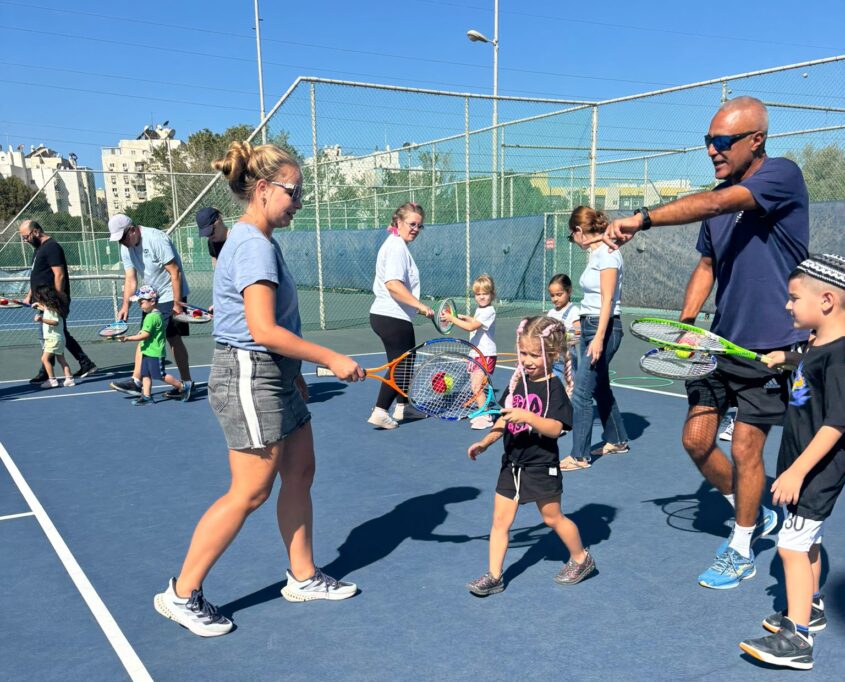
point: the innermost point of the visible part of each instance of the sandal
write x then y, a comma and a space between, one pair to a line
572, 464
612, 449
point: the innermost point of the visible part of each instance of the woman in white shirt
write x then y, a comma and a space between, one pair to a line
601, 334
397, 289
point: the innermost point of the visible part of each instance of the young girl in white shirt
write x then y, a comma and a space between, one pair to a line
482, 328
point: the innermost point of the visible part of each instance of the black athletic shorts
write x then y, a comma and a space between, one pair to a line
535, 483
760, 394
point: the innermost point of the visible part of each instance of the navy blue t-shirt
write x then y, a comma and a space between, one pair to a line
753, 253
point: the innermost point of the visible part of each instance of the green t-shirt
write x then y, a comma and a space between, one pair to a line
154, 345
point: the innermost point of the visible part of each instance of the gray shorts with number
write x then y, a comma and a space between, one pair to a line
254, 397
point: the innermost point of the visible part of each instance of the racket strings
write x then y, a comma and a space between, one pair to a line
443, 387
657, 332
666, 363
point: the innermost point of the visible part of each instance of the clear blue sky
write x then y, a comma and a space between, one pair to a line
80, 75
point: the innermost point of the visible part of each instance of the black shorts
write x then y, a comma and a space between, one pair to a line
536, 483
759, 393
152, 367
171, 327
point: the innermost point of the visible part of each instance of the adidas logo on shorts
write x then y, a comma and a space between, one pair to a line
771, 384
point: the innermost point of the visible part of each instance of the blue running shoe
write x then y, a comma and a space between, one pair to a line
728, 571
767, 521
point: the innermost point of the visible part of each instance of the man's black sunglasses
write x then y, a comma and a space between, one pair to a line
721, 143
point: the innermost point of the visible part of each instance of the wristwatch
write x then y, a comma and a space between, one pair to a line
646, 218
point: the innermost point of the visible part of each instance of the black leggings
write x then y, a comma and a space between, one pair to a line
397, 337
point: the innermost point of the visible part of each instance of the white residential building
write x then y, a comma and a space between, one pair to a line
126, 168
362, 171
67, 187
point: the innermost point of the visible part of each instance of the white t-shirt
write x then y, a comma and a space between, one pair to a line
600, 259
149, 259
567, 316
483, 336
395, 262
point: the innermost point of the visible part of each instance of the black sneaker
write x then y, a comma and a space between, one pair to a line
39, 378
786, 648
128, 386
173, 394
486, 585
85, 369
818, 621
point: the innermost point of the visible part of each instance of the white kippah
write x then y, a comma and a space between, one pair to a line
825, 267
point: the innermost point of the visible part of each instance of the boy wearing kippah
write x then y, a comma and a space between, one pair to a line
152, 338
811, 461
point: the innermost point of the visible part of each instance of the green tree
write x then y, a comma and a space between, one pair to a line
824, 171
152, 213
13, 197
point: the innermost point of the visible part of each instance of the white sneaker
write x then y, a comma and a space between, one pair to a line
485, 421
50, 383
318, 586
195, 613
406, 412
69, 381
728, 432
380, 419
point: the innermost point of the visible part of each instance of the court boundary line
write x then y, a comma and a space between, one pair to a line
121, 646
9, 517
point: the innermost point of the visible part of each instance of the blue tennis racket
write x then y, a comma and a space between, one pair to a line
114, 329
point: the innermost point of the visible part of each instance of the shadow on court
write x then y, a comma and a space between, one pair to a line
321, 391
374, 540
593, 521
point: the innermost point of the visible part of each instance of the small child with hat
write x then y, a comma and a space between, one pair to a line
152, 340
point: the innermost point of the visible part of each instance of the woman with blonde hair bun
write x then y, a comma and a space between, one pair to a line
257, 392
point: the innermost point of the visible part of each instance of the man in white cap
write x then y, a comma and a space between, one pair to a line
148, 254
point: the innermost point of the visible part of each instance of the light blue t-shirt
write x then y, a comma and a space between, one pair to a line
600, 259
148, 260
246, 258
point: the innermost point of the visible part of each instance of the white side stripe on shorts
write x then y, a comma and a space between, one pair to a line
245, 395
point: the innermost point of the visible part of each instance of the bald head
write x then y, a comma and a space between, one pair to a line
745, 113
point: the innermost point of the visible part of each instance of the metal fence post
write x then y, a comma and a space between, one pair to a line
593, 144
317, 208
466, 199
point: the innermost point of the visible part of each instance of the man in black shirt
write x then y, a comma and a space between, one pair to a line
211, 226
49, 268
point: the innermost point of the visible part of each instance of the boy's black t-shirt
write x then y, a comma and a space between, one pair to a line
525, 446
47, 256
816, 399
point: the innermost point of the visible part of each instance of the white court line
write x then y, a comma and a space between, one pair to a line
9, 517
133, 664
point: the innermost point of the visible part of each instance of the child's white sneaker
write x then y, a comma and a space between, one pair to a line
380, 419
318, 586
50, 383
69, 381
485, 421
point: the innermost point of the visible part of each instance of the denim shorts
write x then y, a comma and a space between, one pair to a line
254, 397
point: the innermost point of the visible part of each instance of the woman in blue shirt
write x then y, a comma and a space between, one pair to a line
257, 392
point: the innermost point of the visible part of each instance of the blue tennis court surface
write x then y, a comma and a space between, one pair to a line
402, 513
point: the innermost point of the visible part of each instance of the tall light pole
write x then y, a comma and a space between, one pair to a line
478, 37
260, 75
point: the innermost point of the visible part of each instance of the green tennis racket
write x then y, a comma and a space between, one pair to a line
684, 338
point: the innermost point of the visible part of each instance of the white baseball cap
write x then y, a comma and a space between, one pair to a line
118, 225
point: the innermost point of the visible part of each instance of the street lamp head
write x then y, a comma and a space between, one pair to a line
477, 37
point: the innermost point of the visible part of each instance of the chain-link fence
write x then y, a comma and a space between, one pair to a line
496, 198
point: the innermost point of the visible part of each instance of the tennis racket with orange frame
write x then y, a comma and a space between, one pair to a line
399, 372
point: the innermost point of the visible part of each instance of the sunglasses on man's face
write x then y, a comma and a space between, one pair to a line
722, 143
293, 191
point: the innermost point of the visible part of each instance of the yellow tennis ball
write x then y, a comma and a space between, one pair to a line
683, 354
449, 382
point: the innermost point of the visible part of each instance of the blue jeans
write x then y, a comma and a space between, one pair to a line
557, 367
593, 381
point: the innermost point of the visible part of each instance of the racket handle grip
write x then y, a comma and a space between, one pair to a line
324, 371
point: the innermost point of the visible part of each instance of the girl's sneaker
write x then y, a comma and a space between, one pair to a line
380, 419
143, 400
486, 585
69, 381
485, 421
50, 383
195, 613
573, 572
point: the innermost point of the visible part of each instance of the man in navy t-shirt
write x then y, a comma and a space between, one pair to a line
755, 231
